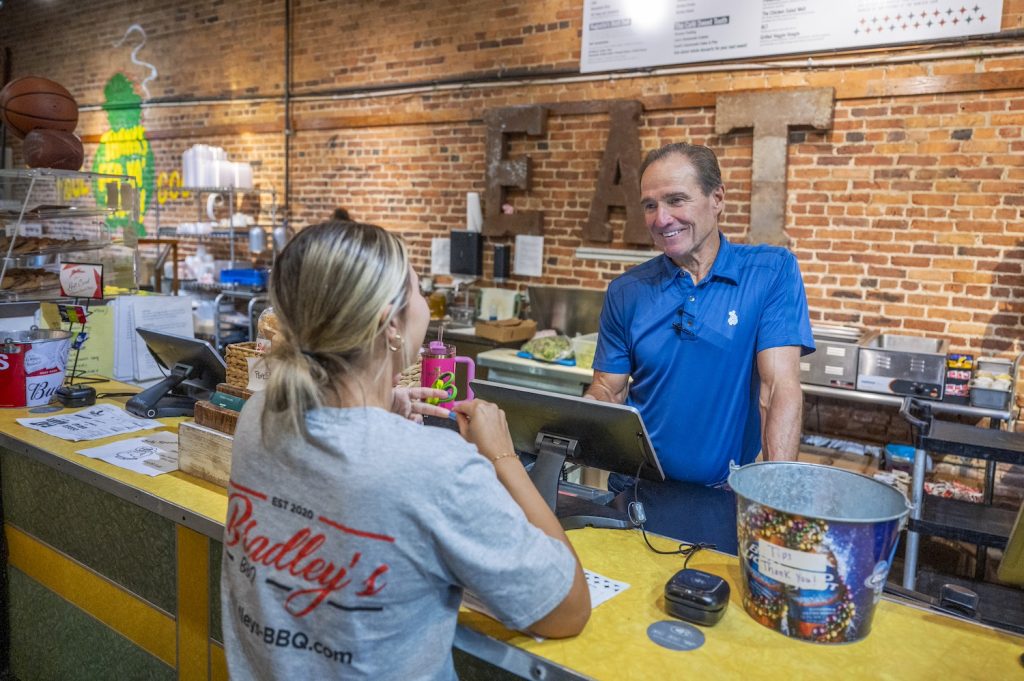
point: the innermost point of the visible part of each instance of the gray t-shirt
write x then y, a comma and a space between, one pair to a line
347, 559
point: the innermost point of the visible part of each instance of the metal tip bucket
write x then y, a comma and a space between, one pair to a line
32, 365
815, 545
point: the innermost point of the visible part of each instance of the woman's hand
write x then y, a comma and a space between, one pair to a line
483, 424
409, 403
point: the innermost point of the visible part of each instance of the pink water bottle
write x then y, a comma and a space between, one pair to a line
438, 371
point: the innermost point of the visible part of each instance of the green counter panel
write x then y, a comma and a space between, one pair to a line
52, 639
119, 540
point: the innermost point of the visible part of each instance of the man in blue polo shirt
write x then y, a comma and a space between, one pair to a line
710, 332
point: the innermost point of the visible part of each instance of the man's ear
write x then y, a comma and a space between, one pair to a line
718, 200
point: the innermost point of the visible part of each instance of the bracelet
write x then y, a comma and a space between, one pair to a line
502, 456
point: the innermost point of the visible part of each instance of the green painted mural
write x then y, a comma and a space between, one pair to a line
124, 150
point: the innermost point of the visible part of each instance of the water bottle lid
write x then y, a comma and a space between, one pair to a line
438, 347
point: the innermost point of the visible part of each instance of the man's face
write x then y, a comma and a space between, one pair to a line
683, 221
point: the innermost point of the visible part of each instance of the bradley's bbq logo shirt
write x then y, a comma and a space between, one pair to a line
311, 566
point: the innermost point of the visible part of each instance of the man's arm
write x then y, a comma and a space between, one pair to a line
608, 387
781, 402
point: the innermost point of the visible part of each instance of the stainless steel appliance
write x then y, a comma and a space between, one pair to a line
834, 363
569, 311
902, 365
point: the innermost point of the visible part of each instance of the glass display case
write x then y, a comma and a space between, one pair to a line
52, 216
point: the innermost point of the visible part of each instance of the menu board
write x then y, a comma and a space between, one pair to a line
621, 34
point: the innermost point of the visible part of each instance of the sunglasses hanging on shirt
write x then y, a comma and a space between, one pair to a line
684, 325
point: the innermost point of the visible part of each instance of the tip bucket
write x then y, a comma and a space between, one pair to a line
815, 545
32, 365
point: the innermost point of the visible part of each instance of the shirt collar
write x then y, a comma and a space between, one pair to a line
725, 267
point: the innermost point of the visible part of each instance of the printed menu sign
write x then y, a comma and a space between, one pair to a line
621, 34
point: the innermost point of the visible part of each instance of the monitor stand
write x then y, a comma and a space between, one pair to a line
162, 400
573, 511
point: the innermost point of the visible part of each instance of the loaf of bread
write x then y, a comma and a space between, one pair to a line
266, 330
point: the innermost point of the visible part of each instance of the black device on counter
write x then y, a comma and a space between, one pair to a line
696, 596
195, 370
556, 428
76, 395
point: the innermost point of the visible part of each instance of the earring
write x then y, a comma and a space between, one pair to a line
398, 337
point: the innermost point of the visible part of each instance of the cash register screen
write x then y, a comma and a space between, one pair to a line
612, 437
208, 368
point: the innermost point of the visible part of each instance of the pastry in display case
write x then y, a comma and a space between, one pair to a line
51, 216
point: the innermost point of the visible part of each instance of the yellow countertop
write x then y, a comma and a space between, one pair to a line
904, 643
178, 496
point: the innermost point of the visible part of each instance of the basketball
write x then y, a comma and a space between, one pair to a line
53, 149
32, 102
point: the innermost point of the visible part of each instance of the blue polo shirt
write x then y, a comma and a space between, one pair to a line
691, 351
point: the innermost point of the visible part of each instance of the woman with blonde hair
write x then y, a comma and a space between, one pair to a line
352, 530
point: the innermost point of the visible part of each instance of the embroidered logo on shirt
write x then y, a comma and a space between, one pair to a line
733, 319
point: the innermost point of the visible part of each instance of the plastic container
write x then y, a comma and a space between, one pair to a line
584, 348
462, 315
257, 278
32, 365
988, 398
815, 543
901, 458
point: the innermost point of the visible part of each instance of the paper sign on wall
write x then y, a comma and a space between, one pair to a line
440, 256
529, 256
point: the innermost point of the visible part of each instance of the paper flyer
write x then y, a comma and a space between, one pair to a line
91, 423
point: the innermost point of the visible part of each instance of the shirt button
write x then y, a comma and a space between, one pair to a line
689, 323
692, 299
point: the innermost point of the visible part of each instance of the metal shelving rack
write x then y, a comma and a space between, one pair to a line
226, 295
230, 233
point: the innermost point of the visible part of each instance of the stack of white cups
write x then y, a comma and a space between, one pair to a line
206, 166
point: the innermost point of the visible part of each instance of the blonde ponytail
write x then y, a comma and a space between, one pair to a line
330, 288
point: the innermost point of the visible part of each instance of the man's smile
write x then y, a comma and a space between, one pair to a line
675, 232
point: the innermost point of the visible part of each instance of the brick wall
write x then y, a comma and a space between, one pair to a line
906, 215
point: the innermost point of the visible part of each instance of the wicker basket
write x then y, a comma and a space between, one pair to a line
237, 357
234, 390
210, 415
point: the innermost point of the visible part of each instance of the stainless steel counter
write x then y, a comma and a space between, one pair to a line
503, 366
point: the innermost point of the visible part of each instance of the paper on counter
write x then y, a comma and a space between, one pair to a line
529, 256
91, 423
152, 455
601, 590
